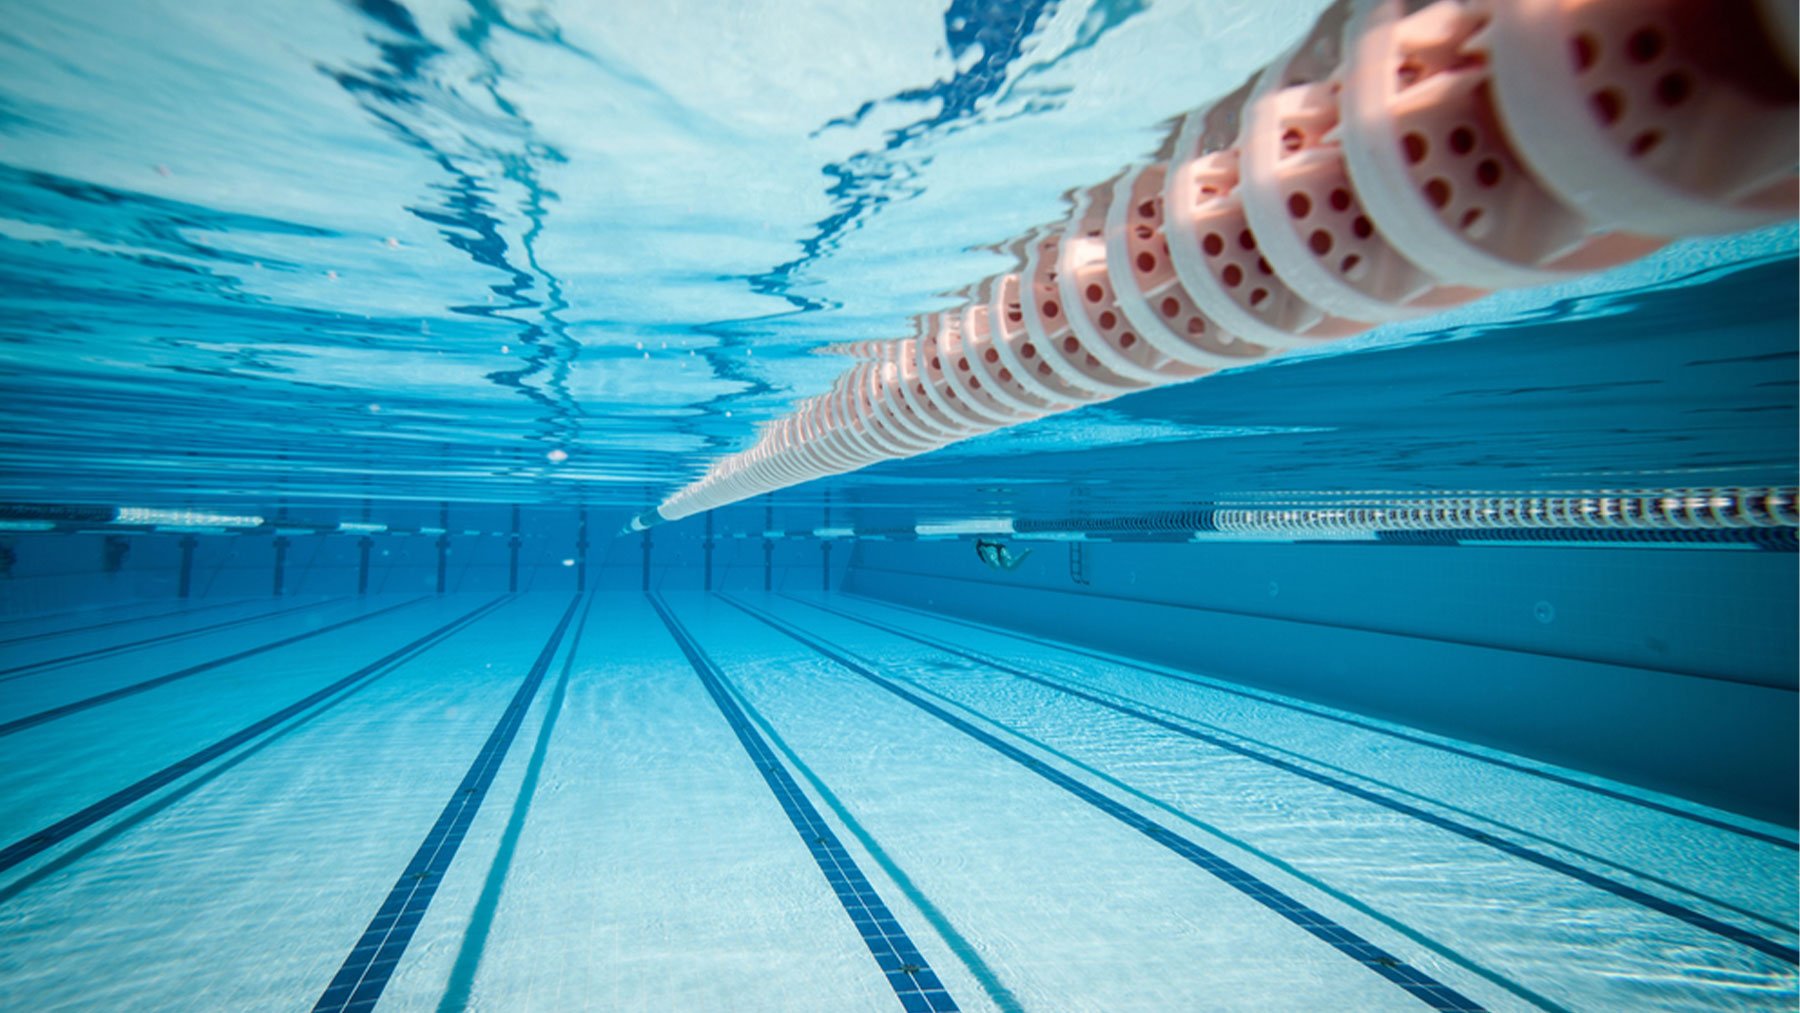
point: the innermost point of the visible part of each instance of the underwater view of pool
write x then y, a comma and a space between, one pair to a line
1052, 505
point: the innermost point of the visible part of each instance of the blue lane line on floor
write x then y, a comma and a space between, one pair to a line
86, 611
481, 920
1416, 983
176, 614
1547, 775
76, 707
1623, 891
365, 972
125, 824
20, 851
912, 979
32, 667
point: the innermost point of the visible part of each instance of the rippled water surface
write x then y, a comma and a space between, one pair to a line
521, 253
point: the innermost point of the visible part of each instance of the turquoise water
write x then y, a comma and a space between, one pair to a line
385, 317
412, 255
1050, 828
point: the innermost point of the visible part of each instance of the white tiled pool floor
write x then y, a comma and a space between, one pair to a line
765, 802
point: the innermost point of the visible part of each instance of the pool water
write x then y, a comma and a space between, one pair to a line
1449, 666
1038, 825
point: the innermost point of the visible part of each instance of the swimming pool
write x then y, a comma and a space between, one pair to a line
475, 534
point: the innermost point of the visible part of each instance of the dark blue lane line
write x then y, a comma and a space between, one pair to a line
1623, 891
1217, 686
1003, 998
71, 631
34, 667
76, 707
481, 922
365, 972
28, 847
84, 611
984, 659
124, 824
1413, 981
912, 979
1348, 900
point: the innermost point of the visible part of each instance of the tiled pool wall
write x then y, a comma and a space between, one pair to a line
1673, 669
475, 553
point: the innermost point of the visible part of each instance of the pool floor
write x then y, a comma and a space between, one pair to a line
751, 801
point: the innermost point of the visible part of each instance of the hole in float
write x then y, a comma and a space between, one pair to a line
1609, 105
1233, 275
1585, 51
1645, 44
1673, 89
1213, 244
1438, 192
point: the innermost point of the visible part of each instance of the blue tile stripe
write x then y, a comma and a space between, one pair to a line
101, 611
1587, 877
1413, 981
76, 707
365, 972
32, 667
1791, 844
73, 630
912, 979
56, 833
